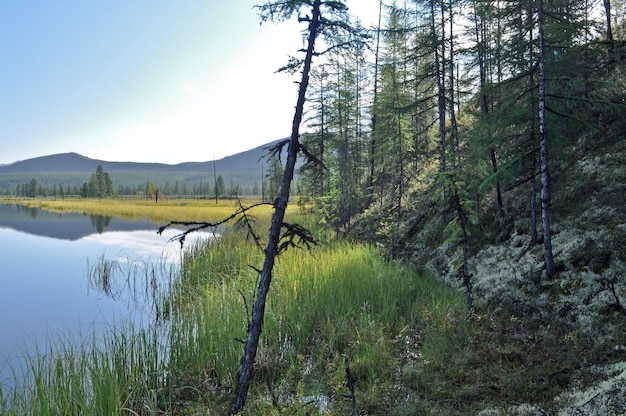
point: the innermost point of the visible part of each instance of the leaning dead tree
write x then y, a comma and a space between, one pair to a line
280, 206
328, 19
281, 231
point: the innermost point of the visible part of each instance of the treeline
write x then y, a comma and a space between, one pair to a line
101, 185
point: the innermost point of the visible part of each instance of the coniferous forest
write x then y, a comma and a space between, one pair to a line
458, 136
457, 106
460, 169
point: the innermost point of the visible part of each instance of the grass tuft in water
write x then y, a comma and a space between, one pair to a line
118, 372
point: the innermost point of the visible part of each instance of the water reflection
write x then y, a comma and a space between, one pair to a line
100, 222
77, 273
139, 283
65, 226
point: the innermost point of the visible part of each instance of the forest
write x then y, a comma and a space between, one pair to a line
477, 141
458, 174
455, 105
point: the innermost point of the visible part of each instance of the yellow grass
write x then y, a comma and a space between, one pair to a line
166, 210
163, 211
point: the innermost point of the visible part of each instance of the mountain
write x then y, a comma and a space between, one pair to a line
247, 161
245, 169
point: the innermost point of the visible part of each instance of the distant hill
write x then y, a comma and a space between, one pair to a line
72, 169
248, 160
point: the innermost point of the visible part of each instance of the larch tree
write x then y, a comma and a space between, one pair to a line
532, 131
438, 48
483, 12
394, 108
314, 174
372, 142
543, 147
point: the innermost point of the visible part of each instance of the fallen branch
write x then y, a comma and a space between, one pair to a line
198, 226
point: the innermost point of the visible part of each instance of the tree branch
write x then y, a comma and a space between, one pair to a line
198, 226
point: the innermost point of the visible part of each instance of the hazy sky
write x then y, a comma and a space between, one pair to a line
145, 81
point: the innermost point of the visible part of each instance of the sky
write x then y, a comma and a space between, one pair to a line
145, 80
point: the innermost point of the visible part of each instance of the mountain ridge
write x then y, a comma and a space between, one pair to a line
72, 162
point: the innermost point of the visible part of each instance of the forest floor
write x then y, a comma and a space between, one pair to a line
557, 346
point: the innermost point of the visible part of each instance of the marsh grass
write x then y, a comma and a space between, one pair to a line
162, 212
140, 283
338, 301
117, 372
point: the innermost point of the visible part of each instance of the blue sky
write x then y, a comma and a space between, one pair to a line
144, 81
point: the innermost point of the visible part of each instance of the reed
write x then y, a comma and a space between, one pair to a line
119, 372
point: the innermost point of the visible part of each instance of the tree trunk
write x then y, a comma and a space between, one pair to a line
258, 311
543, 149
441, 100
607, 11
456, 157
372, 155
533, 138
484, 102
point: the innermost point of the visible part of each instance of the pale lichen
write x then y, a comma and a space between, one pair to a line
605, 397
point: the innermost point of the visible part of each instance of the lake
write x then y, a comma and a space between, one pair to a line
48, 284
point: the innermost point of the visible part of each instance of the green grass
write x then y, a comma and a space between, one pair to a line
119, 373
340, 301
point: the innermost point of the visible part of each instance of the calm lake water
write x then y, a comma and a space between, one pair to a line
46, 289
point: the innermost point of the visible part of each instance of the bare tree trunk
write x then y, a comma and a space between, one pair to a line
609, 29
372, 155
441, 99
533, 138
456, 157
543, 149
258, 311
484, 102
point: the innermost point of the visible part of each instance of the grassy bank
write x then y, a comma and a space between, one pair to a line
164, 211
339, 304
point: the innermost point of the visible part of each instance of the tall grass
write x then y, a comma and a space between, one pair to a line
117, 373
118, 370
337, 302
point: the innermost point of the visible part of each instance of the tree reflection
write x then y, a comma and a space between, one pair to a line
100, 222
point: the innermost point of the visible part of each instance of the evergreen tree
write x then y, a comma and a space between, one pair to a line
151, 190
220, 187
274, 177
32, 188
543, 148
109, 190
100, 185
